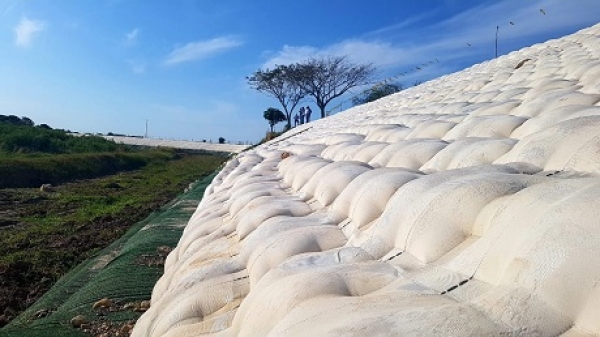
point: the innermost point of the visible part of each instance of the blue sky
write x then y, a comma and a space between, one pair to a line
110, 65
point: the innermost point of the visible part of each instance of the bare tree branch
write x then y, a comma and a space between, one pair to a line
327, 78
276, 83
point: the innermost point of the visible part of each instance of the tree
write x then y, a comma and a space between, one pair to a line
221, 140
14, 120
376, 92
327, 78
274, 116
27, 121
277, 83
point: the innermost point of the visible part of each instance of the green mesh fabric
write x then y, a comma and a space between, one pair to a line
115, 273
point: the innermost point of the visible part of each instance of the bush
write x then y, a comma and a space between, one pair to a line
376, 92
35, 171
27, 139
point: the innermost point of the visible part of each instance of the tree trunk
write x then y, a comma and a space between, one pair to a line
322, 111
289, 120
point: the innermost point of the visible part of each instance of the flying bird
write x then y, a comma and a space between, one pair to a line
468, 44
512, 23
543, 11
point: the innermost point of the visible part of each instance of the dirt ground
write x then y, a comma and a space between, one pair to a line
21, 284
45, 234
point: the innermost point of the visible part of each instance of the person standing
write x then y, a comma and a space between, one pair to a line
308, 111
296, 119
302, 115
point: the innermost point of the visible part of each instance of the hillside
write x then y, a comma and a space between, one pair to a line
468, 205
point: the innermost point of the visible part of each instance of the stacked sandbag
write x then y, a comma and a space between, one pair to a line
469, 205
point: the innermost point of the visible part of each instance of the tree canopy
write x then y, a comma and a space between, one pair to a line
327, 78
14, 120
274, 116
376, 92
323, 78
276, 83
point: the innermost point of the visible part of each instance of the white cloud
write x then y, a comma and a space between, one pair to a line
201, 49
26, 30
411, 21
131, 36
382, 54
457, 42
290, 54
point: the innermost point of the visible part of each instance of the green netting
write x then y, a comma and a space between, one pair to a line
115, 273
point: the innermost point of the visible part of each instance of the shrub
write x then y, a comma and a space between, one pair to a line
38, 170
27, 139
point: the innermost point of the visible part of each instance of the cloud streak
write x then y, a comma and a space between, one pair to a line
459, 41
201, 50
26, 30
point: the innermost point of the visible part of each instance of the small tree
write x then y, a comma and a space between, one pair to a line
376, 92
327, 78
14, 120
276, 83
274, 116
221, 140
27, 121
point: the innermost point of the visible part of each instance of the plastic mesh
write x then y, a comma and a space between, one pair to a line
117, 272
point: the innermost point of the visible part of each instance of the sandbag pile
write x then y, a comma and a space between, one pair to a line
469, 205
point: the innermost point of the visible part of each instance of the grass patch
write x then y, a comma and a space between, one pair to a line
47, 234
33, 171
19, 135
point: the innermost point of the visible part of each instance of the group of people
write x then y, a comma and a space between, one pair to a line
303, 116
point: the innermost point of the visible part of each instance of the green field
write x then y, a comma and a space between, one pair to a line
124, 272
99, 191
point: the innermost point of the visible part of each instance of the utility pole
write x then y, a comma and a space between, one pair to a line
146, 134
497, 28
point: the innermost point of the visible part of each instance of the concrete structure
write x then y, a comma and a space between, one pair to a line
178, 144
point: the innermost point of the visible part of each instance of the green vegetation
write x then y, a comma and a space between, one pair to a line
323, 78
277, 83
34, 155
124, 272
47, 233
274, 116
22, 137
33, 171
376, 92
327, 78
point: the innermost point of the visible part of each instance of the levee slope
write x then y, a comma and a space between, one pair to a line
466, 206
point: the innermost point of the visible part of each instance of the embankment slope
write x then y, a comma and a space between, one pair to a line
468, 205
